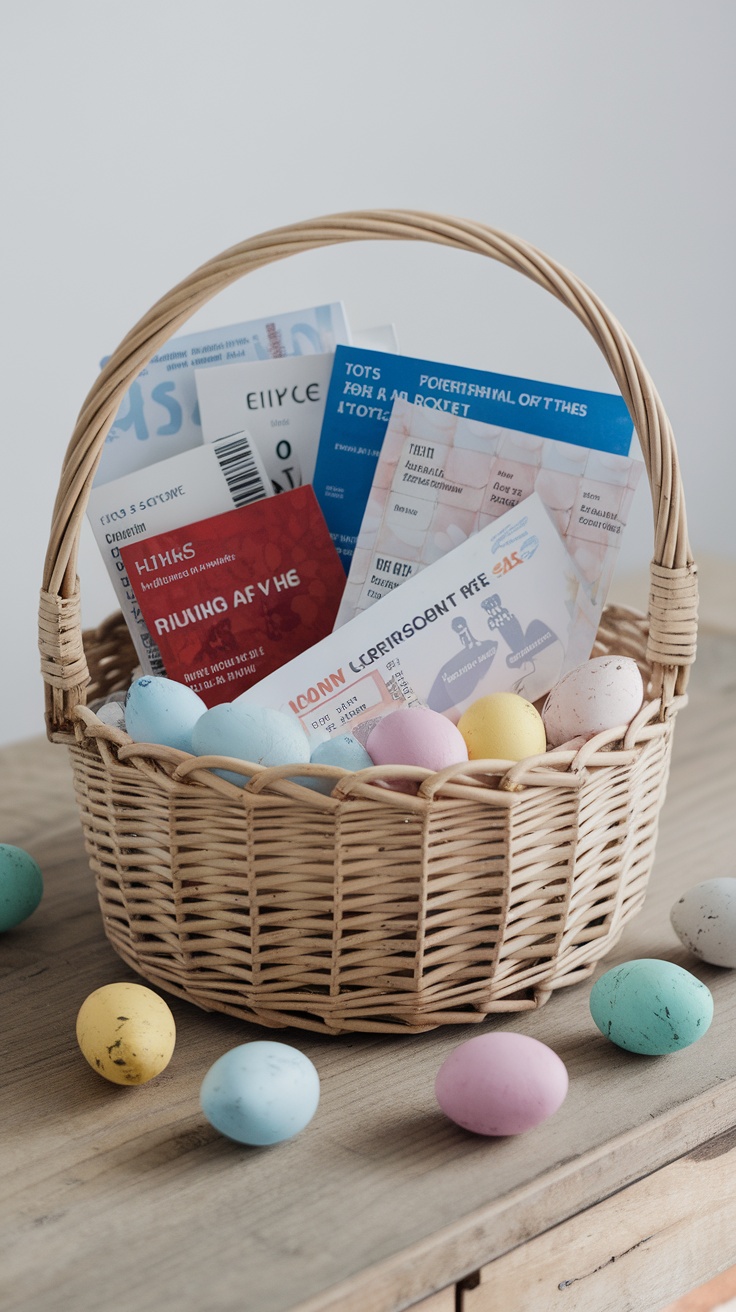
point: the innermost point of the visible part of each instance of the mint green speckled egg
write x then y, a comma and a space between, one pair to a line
651, 1006
21, 886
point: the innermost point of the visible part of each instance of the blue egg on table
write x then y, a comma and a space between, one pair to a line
651, 1006
21, 886
260, 1093
343, 751
251, 733
159, 710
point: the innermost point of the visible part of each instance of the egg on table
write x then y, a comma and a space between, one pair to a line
501, 1083
260, 1093
651, 1006
502, 727
250, 733
126, 1032
21, 886
704, 920
600, 694
416, 736
159, 710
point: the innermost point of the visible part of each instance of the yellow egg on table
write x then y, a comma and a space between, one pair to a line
502, 727
126, 1032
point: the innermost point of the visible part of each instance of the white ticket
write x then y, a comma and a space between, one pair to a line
504, 612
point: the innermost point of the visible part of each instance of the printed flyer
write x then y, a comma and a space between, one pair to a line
505, 612
439, 479
233, 597
365, 385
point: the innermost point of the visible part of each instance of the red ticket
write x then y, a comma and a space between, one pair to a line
232, 598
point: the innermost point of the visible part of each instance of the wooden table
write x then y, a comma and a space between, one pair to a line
115, 1199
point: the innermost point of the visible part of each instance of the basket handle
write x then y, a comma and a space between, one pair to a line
673, 588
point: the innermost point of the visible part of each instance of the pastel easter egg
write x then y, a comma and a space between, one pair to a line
501, 1083
651, 1006
502, 727
21, 886
159, 710
704, 920
343, 751
416, 736
112, 713
260, 1093
250, 733
601, 694
126, 1032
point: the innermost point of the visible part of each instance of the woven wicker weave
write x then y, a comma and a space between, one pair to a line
369, 909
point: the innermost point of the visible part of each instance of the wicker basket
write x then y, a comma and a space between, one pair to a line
369, 909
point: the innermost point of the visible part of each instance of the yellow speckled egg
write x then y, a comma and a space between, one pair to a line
504, 727
126, 1032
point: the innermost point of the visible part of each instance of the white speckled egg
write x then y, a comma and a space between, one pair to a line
704, 920
600, 694
343, 751
251, 733
416, 736
112, 713
260, 1093
159, 710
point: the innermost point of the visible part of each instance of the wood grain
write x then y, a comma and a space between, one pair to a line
631, 1252
126, 1199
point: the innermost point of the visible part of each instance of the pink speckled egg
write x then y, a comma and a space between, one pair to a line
416, 736
501, 1083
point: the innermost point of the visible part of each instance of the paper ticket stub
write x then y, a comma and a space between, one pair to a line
504, 612
159, 415
190, 486
440, 478
281, 403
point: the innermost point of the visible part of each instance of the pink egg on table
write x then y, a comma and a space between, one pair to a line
416, 736
502, 1083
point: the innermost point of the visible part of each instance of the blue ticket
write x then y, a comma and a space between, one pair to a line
159, 416
365, 384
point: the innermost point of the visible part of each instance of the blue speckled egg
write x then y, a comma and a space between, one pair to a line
260, 1093
343, 751
21, 886
251, 733
159, 710
651, 1006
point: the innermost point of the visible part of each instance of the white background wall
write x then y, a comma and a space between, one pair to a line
142, 138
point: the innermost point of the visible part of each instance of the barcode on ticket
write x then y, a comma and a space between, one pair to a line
243, 469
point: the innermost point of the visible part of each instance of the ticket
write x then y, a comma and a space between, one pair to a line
506, 611
442, 477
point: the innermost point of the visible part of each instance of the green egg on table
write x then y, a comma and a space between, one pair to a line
650, 1006
21, 886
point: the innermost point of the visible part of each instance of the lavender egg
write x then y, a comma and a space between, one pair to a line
416, 736
501, 1083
